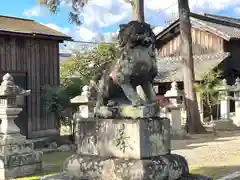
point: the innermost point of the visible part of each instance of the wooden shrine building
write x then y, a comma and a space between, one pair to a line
215, 43
30, 52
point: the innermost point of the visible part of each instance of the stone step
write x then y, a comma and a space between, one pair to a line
46, 150
41, 142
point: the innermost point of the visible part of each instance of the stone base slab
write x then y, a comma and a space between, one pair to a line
195, 177
223, 125
128, 111
18, 157
170, 166
178, 134
147, 111
9, 139
20, 171
64, 176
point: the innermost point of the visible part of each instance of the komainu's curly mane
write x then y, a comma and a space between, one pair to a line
132, 34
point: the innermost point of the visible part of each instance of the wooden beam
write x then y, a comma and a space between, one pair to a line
40, 36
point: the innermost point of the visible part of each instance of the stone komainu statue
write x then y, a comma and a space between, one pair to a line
136, 66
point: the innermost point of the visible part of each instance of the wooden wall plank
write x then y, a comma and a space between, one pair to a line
205, 42
39, 60
46, 80
42, 81
27, 55
38, 94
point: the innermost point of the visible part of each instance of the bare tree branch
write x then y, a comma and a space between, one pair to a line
130, 2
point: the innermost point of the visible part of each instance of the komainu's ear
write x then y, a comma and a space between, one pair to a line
123, 26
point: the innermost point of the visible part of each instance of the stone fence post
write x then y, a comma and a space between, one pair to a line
174, 95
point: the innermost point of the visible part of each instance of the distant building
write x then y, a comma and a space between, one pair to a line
30, 52
215, 43
63, 56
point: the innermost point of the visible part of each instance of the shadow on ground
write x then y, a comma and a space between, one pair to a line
195, 141
215, 172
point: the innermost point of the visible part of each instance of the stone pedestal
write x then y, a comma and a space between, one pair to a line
17, 156
124, 138
136, 149
174, 96
176, 123
155, 168
223, 125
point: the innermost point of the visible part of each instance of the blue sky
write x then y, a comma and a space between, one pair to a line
102, 17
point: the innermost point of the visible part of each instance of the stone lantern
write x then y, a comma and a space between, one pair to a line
174, 95
17, 155
85, 103
8, 104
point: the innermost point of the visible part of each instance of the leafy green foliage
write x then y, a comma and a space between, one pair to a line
208, 88
55, 100
83, 65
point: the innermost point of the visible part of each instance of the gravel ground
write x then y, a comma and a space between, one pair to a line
207, 150
215, 155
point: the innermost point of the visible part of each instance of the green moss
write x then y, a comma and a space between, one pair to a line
54, 163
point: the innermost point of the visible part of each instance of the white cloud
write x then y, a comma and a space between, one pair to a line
170, 6
110, 36
237, 10
157, 29
35, 11
99, 14
102, 14
86, 34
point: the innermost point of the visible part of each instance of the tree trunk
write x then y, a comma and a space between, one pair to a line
193, 124
138, 10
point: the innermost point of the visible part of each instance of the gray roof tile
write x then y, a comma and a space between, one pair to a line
170, 68
229, 31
